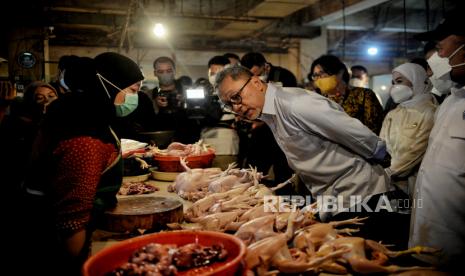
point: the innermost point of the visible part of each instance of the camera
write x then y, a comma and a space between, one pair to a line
195, 102
171, 97
199, 104
195, 98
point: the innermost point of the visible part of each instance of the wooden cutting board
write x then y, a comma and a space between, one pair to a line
142, 212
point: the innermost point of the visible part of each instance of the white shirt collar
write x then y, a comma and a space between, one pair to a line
458, 92
270, 95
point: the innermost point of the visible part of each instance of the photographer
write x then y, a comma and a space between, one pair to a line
167, 96
168, 103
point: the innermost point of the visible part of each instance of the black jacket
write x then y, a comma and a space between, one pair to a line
280, 74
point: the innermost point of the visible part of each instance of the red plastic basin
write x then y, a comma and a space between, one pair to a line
112, 257
172, 163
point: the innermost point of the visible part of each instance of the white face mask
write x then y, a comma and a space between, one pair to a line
263, 77
355, 82
212, 79
400, 93
440, 65
441, 85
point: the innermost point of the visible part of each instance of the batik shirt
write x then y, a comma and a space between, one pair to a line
362, 104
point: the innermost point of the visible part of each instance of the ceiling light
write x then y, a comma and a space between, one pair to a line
383, 87
159, 30
372, 51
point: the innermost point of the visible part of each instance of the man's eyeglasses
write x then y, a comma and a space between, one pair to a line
236, 98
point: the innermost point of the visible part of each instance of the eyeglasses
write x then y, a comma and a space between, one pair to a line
321, 74
236, 98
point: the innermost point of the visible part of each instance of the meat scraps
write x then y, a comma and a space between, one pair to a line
167, 259
136, 188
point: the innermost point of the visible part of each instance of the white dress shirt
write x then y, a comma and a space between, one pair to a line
438, 219
325, 146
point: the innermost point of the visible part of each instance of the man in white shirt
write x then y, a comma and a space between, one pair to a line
438, 219
333, 153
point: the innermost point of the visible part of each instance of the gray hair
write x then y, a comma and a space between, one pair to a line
236, 72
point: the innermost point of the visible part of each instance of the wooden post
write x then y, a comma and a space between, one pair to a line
26, 56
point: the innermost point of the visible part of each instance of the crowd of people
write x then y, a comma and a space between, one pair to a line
338, 137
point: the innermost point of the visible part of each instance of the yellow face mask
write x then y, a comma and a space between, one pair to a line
326, 84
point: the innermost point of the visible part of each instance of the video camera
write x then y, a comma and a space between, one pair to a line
200, 104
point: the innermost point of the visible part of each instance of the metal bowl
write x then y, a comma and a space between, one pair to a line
161, 139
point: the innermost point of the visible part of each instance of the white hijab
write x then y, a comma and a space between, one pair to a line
417, 76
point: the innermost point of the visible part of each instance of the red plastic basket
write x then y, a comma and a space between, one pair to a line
172, 163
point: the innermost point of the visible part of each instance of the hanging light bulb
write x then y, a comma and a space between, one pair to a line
159, 30
372, 51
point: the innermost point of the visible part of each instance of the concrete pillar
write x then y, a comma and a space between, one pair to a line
311, 49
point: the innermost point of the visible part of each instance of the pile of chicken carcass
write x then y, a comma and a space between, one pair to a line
278, 242
194, 184
139, 151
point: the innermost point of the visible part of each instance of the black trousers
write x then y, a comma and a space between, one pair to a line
265, 152
391, 228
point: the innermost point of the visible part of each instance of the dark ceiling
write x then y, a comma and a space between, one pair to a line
262, 25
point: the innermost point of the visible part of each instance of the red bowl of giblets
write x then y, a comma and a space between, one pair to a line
167, 163
111, 258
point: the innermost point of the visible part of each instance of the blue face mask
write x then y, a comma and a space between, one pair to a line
130, 104
62, 81
63, 84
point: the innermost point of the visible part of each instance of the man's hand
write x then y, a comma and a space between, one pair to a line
161, 101
386, 162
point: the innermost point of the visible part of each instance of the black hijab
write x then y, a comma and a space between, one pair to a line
88, 110
119, 70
